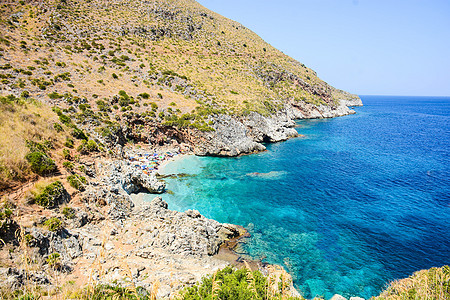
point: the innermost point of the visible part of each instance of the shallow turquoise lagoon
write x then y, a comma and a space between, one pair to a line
358, 201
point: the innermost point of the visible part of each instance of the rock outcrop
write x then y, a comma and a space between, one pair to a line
123, 175
153, 243
186, 233
233, 136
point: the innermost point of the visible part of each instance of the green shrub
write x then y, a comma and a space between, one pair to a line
64, 119
68, 212
77, 182
87, 147
114, 75
78, 133
69, 143
66, 154
6, 221
144, 95
53, 224
230, 283
102, 105
68, 166
40, 163
58, 127
54, 95
25, 94
54, 259
52, 195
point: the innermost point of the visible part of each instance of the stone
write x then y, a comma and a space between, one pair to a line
233, 136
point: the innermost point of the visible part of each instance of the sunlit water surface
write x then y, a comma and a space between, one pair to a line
358, 201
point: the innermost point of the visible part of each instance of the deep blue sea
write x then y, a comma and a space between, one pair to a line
356, 202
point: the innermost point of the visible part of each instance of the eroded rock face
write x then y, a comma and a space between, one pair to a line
187, 233
64, 243
351, 102
154, 242
274, 128
14, 278
123, 175
229, 138
233, 136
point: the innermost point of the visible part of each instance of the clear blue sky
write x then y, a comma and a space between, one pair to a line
377, 47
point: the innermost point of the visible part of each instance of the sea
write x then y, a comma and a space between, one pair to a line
352, 204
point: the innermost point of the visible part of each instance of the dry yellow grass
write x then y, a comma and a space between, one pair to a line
432, 284
30, 121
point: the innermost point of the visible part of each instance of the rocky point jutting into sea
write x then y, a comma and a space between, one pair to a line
95, 96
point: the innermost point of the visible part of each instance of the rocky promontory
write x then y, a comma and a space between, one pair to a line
233, 135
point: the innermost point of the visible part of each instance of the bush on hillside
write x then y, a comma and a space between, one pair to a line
52, 195
78, 133
53, 224
40, 163
77, 182
87, 147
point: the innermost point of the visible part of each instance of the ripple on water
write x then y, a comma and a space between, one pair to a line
359, 201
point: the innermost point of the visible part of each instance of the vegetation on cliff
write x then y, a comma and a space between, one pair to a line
167, 51
139, 64
75, 74
425, 284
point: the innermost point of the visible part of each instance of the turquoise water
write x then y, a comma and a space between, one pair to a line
358, 201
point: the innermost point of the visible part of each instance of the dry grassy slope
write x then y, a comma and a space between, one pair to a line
225, 63
171, 57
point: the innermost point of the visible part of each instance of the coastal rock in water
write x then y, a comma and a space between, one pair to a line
229, 138
123, 175
275, 128
351, 102
188, 233
135, 180
311, 111
233, 136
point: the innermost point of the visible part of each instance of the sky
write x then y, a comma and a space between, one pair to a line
367, 47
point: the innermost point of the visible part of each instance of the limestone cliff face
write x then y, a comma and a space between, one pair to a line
233, 136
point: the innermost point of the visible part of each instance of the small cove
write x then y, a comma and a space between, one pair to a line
356, 202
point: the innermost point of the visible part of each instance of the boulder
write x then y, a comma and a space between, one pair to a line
189, 233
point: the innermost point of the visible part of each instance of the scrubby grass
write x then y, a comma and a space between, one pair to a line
53, 224
50, 195
21, 121
422, 285
230, 283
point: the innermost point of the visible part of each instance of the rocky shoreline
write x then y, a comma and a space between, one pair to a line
233, 136
113, 238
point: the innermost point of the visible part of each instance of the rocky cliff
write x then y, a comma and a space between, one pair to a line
82, 80
234, 136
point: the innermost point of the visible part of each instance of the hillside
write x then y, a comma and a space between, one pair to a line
145, 66
88, 86
194, 56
